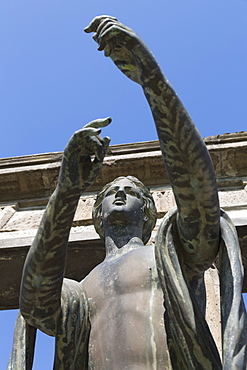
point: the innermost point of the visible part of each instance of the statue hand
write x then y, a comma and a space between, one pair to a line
123, 46
83, 157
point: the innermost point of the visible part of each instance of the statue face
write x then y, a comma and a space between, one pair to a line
123, 202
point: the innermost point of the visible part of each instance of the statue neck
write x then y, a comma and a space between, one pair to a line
120, 239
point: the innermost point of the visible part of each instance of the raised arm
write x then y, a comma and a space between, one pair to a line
40, 295
185, 155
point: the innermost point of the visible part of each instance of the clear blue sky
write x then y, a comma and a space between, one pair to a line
53, 80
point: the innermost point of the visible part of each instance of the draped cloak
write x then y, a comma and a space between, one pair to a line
190, 343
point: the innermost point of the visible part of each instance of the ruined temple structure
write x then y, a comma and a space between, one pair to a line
27, 182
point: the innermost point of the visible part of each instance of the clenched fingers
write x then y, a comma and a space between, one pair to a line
92, 27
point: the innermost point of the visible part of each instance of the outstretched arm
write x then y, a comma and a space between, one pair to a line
40, 296
185, 155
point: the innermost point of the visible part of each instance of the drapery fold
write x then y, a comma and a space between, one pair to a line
190, 342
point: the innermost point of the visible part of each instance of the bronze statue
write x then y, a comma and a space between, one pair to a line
143, 307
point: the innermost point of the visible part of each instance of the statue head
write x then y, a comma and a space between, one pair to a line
149, 209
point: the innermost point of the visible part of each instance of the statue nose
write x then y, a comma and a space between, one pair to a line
120, 194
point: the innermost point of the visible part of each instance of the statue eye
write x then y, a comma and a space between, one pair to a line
110, 192
132, 192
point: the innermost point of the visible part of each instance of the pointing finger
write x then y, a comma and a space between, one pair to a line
101, 122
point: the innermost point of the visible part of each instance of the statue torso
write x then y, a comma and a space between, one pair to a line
126, 313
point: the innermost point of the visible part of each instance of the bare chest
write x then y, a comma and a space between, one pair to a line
126, 312
133, 273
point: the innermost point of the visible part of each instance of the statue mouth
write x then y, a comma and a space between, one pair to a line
119, 202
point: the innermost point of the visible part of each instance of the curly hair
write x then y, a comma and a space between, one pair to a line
149, 208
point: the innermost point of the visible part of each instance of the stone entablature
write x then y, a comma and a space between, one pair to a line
26, 184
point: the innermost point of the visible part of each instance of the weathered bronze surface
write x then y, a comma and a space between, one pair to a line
144, 305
